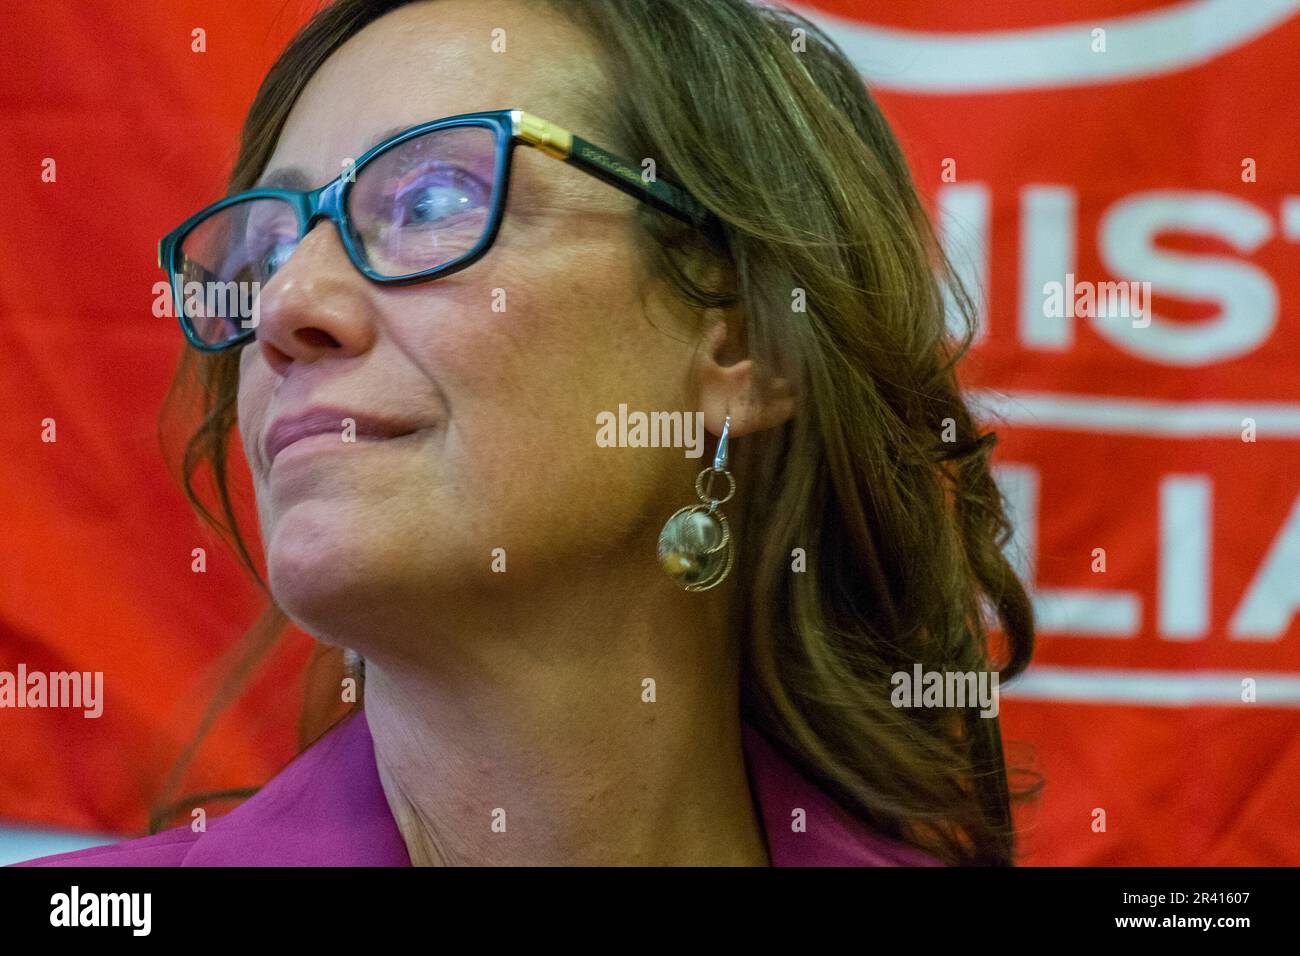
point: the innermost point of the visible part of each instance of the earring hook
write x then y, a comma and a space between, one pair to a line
723, 452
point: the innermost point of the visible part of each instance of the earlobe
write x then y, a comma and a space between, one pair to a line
754, 406
776, 405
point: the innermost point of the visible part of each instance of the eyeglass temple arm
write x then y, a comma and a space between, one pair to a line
618, 172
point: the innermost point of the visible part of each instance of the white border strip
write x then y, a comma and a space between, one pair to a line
1099, 685
1138, 416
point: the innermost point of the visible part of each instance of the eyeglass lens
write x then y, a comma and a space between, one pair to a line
419, 205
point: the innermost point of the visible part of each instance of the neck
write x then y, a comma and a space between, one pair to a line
568, 732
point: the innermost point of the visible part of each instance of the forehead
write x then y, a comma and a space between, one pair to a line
440, 58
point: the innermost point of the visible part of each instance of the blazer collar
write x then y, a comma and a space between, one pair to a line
328, 808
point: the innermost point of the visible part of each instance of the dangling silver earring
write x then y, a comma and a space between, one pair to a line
695, 546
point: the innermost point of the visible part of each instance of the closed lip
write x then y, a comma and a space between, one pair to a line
330, 419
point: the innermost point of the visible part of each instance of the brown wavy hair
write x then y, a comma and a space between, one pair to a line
882, 478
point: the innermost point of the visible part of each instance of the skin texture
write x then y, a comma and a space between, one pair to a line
521, 691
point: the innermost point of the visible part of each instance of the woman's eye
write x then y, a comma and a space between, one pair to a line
275, 257
440, 198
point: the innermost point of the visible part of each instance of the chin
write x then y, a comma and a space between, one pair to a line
324, 570
346, 572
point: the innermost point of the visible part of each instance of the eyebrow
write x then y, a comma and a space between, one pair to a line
293, 177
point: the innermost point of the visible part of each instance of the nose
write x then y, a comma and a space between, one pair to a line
315, 305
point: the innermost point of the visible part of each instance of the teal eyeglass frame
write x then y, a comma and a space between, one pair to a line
511, 127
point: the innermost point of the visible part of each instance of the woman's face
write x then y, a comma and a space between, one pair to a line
500, 369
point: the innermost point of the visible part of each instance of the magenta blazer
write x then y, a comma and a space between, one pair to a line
327, 808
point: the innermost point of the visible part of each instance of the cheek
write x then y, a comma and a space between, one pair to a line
256, 381
525, 382
553, 332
